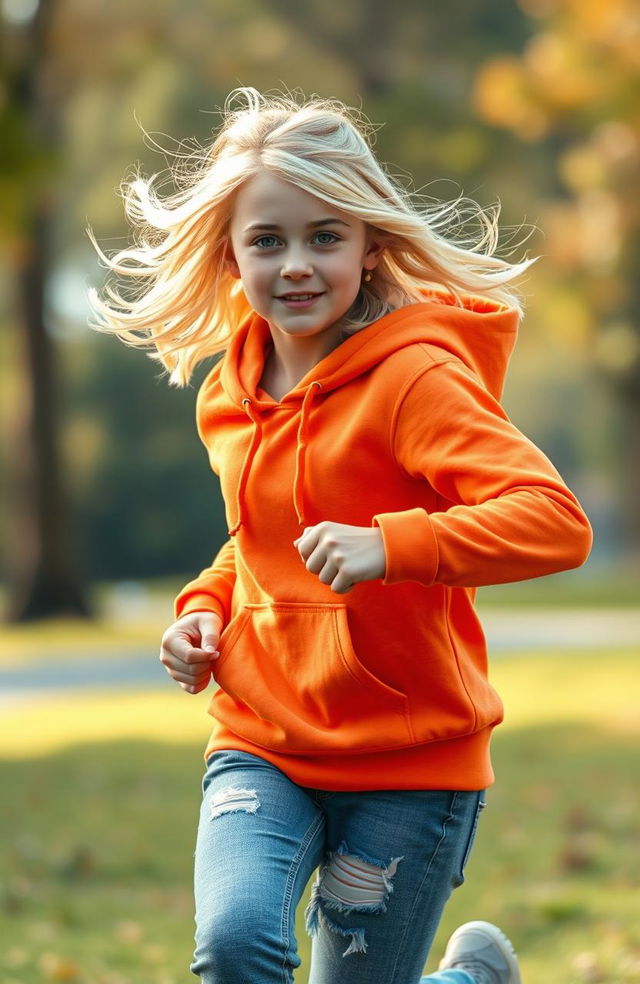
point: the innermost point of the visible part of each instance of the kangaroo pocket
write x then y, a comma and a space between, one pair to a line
290, 679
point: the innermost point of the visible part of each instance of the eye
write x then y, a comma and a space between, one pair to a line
328, 238
265, 242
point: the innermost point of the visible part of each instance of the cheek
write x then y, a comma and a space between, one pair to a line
256, 278
345, 272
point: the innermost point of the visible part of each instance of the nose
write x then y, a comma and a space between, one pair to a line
296, 266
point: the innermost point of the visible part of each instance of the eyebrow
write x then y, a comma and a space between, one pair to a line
273, 227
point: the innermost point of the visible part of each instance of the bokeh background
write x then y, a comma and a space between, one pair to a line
108, 503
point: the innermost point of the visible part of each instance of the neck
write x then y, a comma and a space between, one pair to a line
292, 358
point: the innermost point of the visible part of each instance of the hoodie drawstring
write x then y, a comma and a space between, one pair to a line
298, 482
301, 446
254, 444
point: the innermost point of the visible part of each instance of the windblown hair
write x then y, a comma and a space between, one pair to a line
185, 304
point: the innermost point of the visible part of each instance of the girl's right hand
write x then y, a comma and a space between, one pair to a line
188, 648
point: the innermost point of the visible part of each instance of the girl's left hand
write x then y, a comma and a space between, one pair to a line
342, 555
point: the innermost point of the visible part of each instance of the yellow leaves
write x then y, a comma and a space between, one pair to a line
555, 76
561, 71
501, 96
58, 968
586, 965
55, 965
129, 931
153, 953
567, 325
613, 25
265, 38
599, 217
587, 54
601, 171
132, 933
16, 956
617, 348
617, 145
585, 232
582, 167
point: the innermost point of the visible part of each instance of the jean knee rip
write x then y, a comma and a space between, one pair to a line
349, 882
233, 800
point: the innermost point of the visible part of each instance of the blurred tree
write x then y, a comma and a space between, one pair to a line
44, 575
576, 89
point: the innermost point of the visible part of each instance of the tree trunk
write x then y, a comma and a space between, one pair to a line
43, 576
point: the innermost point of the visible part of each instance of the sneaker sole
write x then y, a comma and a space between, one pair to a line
503, 943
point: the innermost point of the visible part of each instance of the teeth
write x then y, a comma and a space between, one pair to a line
298, 297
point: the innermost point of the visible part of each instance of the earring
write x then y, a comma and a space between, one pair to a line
368, 277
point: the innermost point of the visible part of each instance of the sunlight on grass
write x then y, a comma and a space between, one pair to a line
599, 687
593, 687
45, 726
73, 637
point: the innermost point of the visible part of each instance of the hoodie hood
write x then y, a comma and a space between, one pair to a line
480, 332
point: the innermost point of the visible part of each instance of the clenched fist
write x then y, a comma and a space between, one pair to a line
188, 648
342, 555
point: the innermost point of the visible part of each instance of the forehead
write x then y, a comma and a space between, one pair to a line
269, 199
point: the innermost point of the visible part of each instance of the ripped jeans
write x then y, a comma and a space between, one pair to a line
387, 862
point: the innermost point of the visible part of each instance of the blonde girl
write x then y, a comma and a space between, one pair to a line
372, 481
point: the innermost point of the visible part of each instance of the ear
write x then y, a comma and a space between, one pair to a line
230, 261
373, 254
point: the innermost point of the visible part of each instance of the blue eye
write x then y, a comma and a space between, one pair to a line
271, 241
327, 242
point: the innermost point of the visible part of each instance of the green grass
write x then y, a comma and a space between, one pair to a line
98, 822
589, 587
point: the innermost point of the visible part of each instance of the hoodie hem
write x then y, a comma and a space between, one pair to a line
458, 763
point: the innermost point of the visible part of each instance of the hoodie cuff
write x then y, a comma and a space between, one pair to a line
190, 602
410, 546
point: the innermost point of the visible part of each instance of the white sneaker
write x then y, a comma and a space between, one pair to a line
483, 951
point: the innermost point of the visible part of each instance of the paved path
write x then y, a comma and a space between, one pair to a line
507, 630
551, 628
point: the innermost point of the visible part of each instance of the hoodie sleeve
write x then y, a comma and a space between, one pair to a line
506, 514
211, 590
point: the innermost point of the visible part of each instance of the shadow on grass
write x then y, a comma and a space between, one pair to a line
97, 844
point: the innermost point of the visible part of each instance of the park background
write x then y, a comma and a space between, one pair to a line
108, 503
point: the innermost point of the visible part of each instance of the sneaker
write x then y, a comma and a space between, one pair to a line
484, 952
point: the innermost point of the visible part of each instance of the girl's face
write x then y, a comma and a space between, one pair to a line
300, 260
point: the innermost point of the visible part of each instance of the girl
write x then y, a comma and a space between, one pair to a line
372, 482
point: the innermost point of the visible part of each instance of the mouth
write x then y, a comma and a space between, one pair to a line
298, 299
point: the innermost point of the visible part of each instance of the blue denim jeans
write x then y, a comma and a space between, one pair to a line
387, 862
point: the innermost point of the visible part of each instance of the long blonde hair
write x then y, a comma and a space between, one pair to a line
184, 303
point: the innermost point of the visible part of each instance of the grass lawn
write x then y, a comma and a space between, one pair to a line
100, 797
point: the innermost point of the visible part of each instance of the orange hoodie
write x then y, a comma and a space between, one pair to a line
398, 427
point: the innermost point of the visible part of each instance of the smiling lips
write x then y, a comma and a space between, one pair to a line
306, 296
298, 300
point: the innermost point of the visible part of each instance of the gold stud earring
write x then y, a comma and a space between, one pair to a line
368, 277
